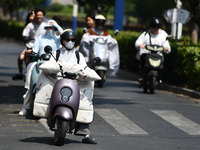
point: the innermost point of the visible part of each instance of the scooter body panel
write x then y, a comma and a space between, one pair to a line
100, 49
63, 112
71, 103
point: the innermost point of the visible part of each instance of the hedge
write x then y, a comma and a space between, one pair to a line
181, 66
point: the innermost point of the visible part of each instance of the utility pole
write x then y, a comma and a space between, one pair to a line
75, 13
119, 13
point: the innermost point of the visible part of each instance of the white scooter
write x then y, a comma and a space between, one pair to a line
100, 49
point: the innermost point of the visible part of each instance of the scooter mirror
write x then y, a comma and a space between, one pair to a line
97, 61
47, 49
116, 32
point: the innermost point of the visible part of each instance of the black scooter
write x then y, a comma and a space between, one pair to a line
152, 68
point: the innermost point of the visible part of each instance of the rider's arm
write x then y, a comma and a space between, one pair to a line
82, 61
166, 45
167, 48
26, 31
60, 30
140, 42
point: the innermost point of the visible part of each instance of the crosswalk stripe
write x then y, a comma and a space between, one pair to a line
179, 121
119, 122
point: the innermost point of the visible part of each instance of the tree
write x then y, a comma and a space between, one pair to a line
146, 9
12, 7
97, 6
194, 7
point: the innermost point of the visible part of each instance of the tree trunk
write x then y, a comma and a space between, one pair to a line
194, 33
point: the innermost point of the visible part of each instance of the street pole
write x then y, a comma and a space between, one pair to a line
75, 13
176, 31
119, 13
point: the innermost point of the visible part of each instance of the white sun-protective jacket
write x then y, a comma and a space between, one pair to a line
44, 87
86, 45
46, 39
147, 38
40, 43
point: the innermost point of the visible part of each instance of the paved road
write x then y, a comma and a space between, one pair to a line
125, 118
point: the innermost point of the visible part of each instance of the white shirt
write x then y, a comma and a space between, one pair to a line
33, 31
158, 39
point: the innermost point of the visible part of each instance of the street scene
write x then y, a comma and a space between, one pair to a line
125, 117
99, 75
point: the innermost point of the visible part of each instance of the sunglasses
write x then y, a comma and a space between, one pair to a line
73, 40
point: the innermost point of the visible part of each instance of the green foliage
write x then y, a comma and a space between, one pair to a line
11, 29
55, 7
94, 5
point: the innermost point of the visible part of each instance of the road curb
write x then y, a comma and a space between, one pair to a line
175, 89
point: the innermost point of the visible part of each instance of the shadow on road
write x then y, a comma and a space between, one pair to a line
11, 94
47, 140
101, 100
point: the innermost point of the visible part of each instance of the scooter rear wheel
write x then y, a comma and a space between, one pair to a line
60, 133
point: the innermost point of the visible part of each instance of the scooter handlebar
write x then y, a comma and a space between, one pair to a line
70, 75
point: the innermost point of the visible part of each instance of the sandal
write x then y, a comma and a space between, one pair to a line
89, 140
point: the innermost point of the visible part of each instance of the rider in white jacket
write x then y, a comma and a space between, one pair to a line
155, 35
69, 54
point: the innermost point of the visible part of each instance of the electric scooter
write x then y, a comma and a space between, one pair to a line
64, 103
100, 49
35, 70
152, 68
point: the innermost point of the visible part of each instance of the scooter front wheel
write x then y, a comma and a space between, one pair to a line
102, 74
152, 84
60, 133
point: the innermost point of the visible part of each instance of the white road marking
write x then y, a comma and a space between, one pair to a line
120, 122
179, 121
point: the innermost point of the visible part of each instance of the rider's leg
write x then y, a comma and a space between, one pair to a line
20, 59
84, 130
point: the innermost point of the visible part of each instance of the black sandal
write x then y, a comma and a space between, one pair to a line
89, 140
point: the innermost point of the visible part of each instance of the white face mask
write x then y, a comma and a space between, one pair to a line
49, 33
69, 45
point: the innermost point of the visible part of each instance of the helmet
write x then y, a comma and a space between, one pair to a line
155, 23
100, 20
68, 35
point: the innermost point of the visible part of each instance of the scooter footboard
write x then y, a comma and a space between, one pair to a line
64, 113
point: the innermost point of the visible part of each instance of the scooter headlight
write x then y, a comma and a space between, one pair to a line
65, 92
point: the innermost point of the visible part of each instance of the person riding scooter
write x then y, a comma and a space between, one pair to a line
49, 38
95, 32
155, 35
68, 54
